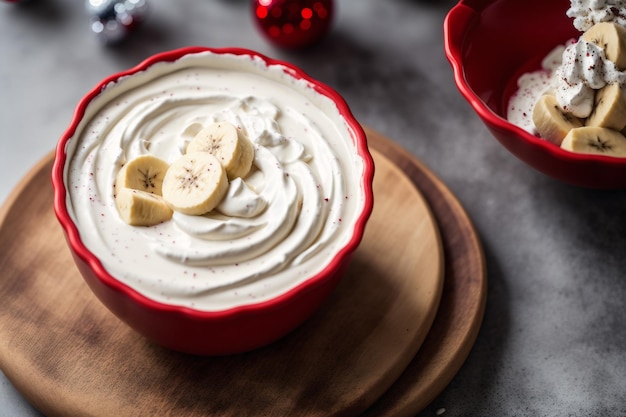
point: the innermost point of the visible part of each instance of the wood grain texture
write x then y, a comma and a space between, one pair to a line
69, 356
462, 303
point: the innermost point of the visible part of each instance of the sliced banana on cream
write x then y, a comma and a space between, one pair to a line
551, 121
610, 108
595, 140
230, 145
612, 38
195, 183
141, 208
144, 173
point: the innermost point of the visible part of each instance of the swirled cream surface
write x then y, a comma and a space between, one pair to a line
275, 227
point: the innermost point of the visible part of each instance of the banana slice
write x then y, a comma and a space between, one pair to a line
595, 140
609, 109
195, 183
231, 146
141, 208
144, 173
551, 121
612, 38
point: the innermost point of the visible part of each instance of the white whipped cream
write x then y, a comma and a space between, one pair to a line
277, 226
587, 13
583, 70
573, 72
530, 86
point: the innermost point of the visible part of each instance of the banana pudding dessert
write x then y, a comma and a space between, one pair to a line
578, 99
214, 181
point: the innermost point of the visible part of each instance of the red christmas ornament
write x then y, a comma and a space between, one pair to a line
293, 23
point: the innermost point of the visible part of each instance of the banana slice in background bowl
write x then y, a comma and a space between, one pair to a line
490, 45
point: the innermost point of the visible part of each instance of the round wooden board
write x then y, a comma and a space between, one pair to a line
69, 356
462, 306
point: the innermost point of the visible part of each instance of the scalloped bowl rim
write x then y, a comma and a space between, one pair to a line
78, 247
455, 57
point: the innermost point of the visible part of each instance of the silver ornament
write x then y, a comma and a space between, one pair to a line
112, 20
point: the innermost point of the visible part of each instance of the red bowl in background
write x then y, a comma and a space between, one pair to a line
237, 329
489, 45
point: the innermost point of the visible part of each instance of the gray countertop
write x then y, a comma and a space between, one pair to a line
553, 338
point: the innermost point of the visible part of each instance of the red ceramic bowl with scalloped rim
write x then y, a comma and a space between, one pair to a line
235, 329
489, 45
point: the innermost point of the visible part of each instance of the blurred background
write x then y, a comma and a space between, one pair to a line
552, 341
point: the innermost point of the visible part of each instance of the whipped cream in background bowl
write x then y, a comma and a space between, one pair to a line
256, 266
506, 48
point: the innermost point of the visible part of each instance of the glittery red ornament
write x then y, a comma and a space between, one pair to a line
293, 23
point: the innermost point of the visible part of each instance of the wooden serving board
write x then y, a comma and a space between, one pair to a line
70, 356
462, 305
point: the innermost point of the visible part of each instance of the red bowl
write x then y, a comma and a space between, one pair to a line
489, 45
236, 329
